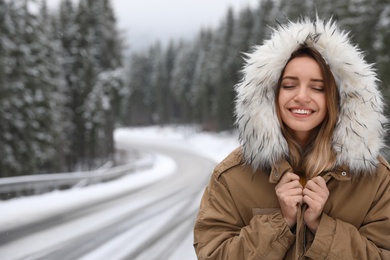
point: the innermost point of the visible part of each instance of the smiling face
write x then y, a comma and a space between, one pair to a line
301, 100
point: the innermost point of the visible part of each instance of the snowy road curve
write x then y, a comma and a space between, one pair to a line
152, 222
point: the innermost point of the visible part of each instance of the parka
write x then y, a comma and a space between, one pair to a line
240, 216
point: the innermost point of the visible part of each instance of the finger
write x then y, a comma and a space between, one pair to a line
284, 193
319, 181
308, 200
290, 193
313, 205
288, 177
313, 184
317, 186
308, 192
318, 195
294, 200
293, 185
288, 189
298, 199
287, 183
315, 199
296, 191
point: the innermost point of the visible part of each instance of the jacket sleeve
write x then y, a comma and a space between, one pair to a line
336, 239
220, 233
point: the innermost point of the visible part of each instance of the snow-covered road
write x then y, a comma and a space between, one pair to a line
149, 221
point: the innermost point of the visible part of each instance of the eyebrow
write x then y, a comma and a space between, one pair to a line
295, 78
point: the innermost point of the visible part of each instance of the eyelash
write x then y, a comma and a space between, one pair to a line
319, 89
314, 88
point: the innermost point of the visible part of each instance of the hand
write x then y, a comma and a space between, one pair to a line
289, 193
315, 195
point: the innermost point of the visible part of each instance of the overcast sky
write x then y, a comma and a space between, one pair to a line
146, 21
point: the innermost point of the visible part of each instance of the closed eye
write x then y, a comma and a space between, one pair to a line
287, 86
318, 89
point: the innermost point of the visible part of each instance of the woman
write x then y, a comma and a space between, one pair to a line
308, 180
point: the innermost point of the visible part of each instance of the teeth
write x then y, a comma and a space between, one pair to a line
301, 111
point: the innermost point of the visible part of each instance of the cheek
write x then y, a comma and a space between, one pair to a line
279, 106
323, 105
323, 109
281, 100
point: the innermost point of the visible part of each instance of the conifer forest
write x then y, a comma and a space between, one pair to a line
66, 83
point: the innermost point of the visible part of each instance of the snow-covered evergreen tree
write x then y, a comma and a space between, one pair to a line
138, 106
182, 81
93, 50
220, 52
263, 17
60, 79
202, 88
31, 81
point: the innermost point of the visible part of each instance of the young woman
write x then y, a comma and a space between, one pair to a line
308, 181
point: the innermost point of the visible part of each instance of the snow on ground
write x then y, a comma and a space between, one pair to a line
14, 211
212, 145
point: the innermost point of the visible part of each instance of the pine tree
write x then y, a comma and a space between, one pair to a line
182, 81
64, 32
166, 68
237, 43
202, 88
30, 127
138, 106
6, 153
92, 51
295, 8
159, 84
262, 17
221, 78
53, 84
381, 46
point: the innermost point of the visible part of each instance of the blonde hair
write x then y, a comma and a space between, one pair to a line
318, 155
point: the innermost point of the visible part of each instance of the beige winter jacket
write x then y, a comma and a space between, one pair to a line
240, 217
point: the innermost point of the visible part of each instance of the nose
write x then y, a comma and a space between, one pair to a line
302, 95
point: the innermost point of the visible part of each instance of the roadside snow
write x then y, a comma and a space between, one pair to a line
14, 211
212, 145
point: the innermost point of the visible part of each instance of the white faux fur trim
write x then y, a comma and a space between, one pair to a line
359, 132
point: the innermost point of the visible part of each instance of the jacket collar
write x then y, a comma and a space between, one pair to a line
278, 170
340, 173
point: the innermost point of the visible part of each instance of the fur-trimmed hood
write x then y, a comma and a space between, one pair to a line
359, 132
